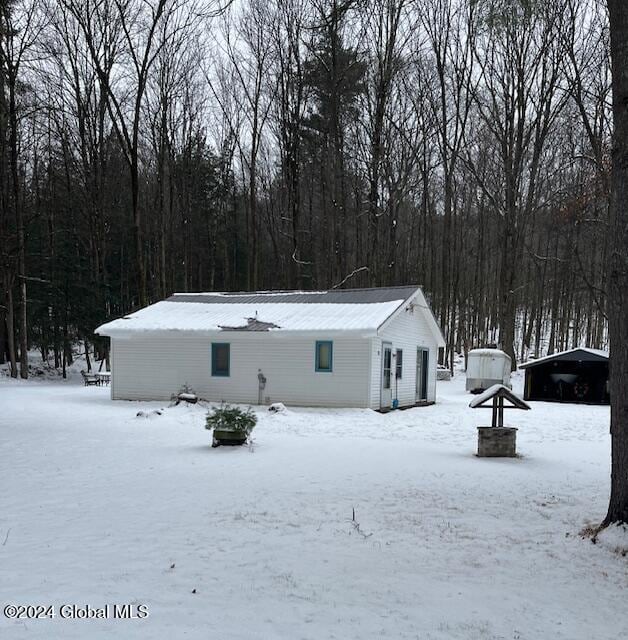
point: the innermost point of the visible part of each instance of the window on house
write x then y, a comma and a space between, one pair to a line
399, 364
220, 358
324, 355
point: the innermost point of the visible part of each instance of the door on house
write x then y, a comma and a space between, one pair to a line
422, 369
385, 400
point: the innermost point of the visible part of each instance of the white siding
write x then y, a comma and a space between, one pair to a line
157, 365
376, 372
407, 331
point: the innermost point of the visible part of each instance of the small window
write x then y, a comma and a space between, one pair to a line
220, 359
399, 364
324, 356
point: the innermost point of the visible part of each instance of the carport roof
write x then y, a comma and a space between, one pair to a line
572, 355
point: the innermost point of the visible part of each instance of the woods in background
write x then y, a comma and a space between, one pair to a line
180, 145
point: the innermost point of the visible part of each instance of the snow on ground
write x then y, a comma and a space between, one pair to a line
99, 506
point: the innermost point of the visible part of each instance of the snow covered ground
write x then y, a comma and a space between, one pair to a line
99, 506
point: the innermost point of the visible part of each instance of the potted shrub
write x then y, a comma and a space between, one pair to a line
231, 425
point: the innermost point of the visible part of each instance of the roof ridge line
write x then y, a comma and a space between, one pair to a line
288, 291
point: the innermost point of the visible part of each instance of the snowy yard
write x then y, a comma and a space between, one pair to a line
100, 506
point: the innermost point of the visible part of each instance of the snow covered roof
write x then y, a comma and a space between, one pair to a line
336, 310
498, 390
579, 353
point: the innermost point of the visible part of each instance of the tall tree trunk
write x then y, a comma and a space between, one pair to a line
137, 232
10, 328
618, 267
19, 223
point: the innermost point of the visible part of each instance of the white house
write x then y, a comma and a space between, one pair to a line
340, 348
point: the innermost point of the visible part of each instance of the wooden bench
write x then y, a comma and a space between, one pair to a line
89, 379
103, 377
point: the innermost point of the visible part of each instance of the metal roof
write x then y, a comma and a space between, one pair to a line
572, 355
363, 310
331, 296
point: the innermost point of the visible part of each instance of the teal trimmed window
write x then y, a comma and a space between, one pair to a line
324, 356
221, 357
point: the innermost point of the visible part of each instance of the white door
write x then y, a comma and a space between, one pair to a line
385, 398
422, 369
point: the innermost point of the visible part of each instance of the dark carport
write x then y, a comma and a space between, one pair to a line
578, 375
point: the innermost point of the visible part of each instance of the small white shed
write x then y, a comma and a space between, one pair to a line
372, 348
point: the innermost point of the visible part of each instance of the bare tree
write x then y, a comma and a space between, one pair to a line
249, 49
20, 28
140, 25
389, 36
519, 54
290, 24
450, 32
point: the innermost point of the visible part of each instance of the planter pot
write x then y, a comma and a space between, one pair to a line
229, 437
